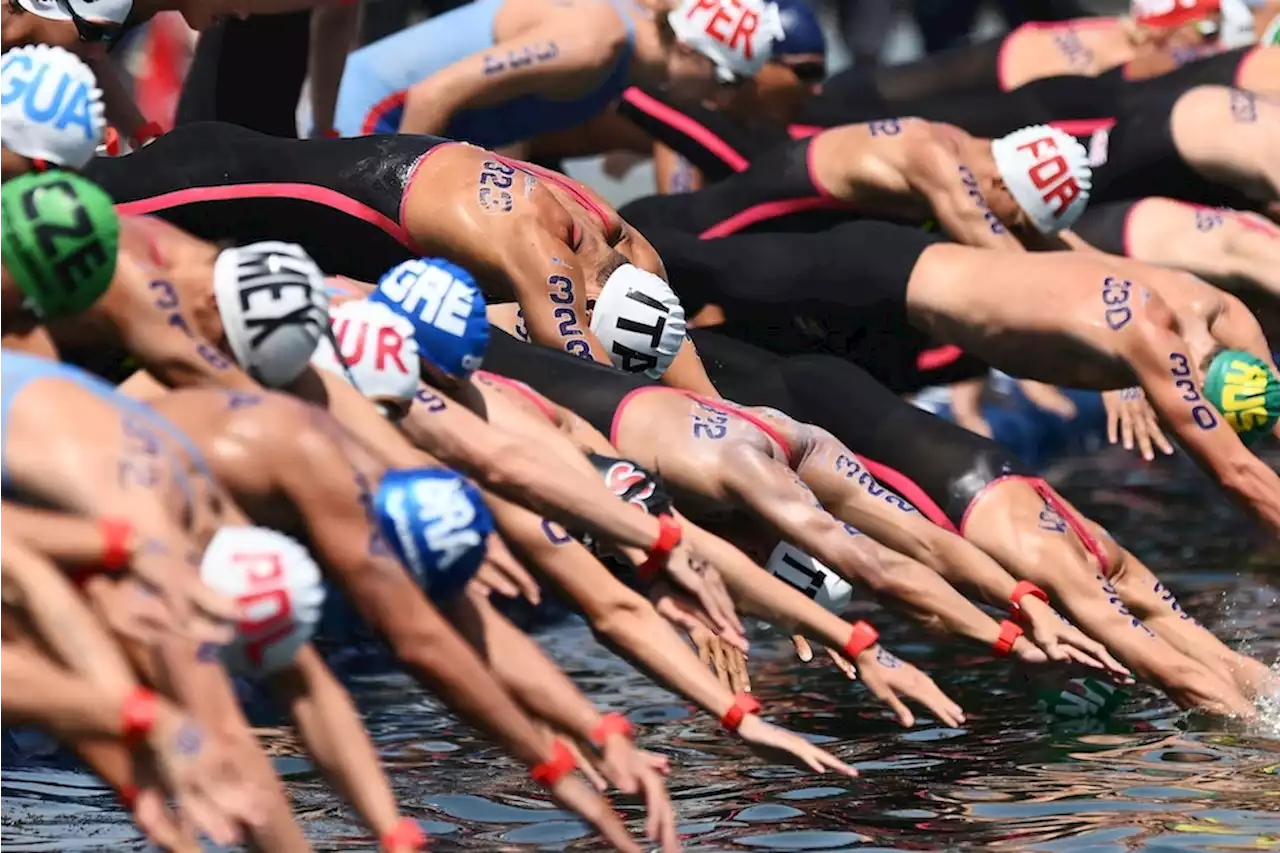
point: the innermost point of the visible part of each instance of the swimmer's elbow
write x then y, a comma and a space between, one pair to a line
621, 620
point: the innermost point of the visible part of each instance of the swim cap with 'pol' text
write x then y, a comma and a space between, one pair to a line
60, 240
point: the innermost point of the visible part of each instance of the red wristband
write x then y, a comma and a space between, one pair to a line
148, 132
111, 141
862, 638
138, 715
1009, 634
117, 535
1021, 589
405, 835
128, 794
610, 725
743, 704
670, 535
559, 765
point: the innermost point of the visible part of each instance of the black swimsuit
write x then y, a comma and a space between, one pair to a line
338, 198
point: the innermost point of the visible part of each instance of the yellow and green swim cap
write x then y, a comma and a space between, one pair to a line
1245, 390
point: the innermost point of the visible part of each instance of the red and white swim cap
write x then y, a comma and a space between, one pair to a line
737, 35
1047, 172
1168, 14
378, 349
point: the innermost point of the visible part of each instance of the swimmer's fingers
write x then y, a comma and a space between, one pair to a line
1111, 403
660, 822
488, 579
721, 665
588, 768
504, 563
849, 670
1126, 427
717, 587
1157, 434
803, 650
1088, 651
739, 679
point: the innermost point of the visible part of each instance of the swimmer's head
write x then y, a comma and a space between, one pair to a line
802, 48
437, 523
639, 319
1046, 172
60, 240
780, 89
278, 590
274, 308
1227, 24
1245, 390
446, 309
719, 41
51, 108
84, 26
379, 354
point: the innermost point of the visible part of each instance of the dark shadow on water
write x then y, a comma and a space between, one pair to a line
1151, 779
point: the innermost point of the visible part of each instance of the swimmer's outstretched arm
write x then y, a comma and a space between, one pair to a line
330, 726
776, 494
1160, 359
626, 622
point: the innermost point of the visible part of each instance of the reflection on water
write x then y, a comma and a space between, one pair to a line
1153, 778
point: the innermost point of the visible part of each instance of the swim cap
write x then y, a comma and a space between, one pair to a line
274, 308
788, 563
446, 310
1243, 388
278, 590
640, 319
377, 346
50, 105
736, 35
437, 524
1272, 36
1237, 25
1170, 14
801, 32
112, 12
1047, 173
60, 238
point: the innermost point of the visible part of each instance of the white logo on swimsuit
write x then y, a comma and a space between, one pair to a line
622, 476
1099, 145
433, 294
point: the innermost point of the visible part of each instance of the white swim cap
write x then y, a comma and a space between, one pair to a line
1169, 14
95, 11
378, 348
278, 591
1047, 173
50, 105
274, 307
640, 319
736, 35
795, 567
1237, 25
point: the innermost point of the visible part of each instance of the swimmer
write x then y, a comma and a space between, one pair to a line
508, 70
268, 447
628, 622
360, 206
1112, 322
980, 192
971, 485
52, 110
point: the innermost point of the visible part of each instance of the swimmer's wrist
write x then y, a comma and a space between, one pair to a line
743, 708
670, 535
404, 835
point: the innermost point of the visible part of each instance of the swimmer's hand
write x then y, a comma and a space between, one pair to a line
1048, 398
200, 772
890, 678
502, 573
200, 613
775, 744
634, 771
695, 576
1130, 417
580, 798
1064, 643
726, 660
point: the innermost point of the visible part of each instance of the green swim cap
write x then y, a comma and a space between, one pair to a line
60, 237
1244, 389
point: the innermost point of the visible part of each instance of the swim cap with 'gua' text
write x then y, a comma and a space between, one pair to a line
50, 105
60, 239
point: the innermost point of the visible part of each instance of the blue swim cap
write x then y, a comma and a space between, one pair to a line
801, 32
437, 524
446, 309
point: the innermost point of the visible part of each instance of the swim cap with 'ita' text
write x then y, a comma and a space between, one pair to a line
60, 239
736, 35
1047, 172
639, 318
50, 106
446, 309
